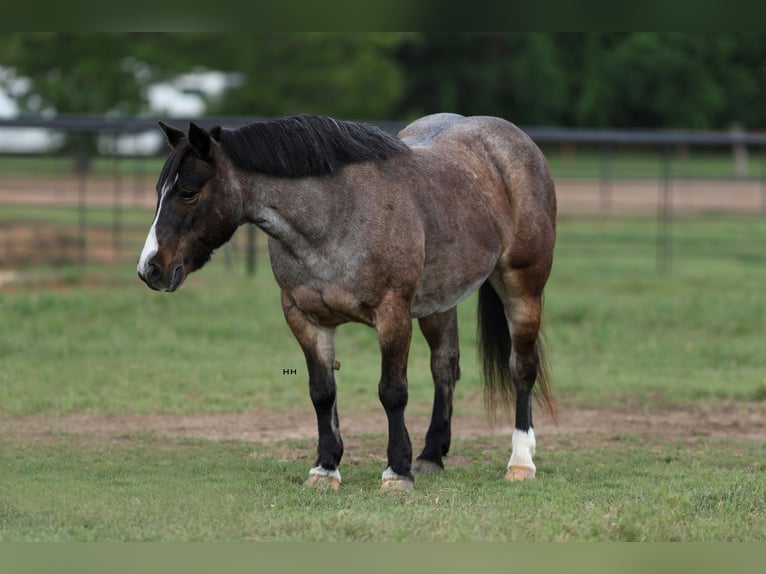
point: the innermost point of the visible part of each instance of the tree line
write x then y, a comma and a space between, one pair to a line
616, 79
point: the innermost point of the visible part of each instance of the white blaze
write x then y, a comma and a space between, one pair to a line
150, 245
150, 248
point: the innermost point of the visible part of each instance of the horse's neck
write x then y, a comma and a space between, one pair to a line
296, 212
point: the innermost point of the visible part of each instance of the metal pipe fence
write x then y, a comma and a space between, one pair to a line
77, 193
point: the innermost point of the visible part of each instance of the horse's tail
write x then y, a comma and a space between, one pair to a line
494, 342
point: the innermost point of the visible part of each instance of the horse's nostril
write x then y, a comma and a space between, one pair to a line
153, 272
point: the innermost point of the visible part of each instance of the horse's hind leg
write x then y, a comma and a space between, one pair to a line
524, 366
318, 345
440, 331
523, 309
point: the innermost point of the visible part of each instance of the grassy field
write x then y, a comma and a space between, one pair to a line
149, 489
619, 334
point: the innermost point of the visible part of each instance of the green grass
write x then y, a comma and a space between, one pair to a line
149, 489
47, 166
625, 162
618, 332
223, 346
69, 215
216, 345
127, 349
709, 244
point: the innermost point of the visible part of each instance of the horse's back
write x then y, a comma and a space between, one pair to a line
454, 129
422, 131
505, 163
464, 140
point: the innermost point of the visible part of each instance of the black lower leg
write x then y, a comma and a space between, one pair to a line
330, 445
441, 334
523, 409
393, 395
439, 432
524, 373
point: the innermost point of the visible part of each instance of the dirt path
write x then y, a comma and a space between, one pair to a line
730, 420
575, 196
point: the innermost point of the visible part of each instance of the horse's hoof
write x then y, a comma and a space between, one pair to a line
517, 472
397, 485
323, 481
426, 467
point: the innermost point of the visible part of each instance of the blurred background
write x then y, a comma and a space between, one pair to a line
656, 140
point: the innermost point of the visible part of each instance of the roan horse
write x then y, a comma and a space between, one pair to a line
367, 227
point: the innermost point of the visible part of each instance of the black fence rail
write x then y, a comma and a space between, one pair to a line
77, 192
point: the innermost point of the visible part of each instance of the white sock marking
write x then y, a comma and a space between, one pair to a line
523, 443
319, 471
389, 474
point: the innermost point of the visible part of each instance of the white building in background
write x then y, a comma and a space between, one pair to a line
185, 96
21, 140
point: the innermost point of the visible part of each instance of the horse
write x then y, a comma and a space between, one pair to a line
370, 227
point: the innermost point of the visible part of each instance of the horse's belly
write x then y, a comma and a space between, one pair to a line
436, 297
460, 256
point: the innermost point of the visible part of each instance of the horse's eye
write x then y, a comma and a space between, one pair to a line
188, 194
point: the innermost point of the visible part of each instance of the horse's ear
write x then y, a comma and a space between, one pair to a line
199, 138
172, 135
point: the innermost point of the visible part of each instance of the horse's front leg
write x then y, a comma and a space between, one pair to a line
440, 331
318, 344
394, 327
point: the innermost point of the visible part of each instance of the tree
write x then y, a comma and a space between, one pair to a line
622, 79
346, 75
738, 62
351, 75
514, 75
648, 79
75, 73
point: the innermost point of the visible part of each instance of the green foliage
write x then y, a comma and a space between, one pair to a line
650, 79
517, 76
623, 79
346, 75
74, 73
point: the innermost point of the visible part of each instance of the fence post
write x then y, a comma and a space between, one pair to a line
605, 189
117, 201
739, 150
81, 162
665, 216
763, 179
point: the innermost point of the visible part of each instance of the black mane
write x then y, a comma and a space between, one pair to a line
306, 145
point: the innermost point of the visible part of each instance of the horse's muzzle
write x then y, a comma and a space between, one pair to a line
156, 279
